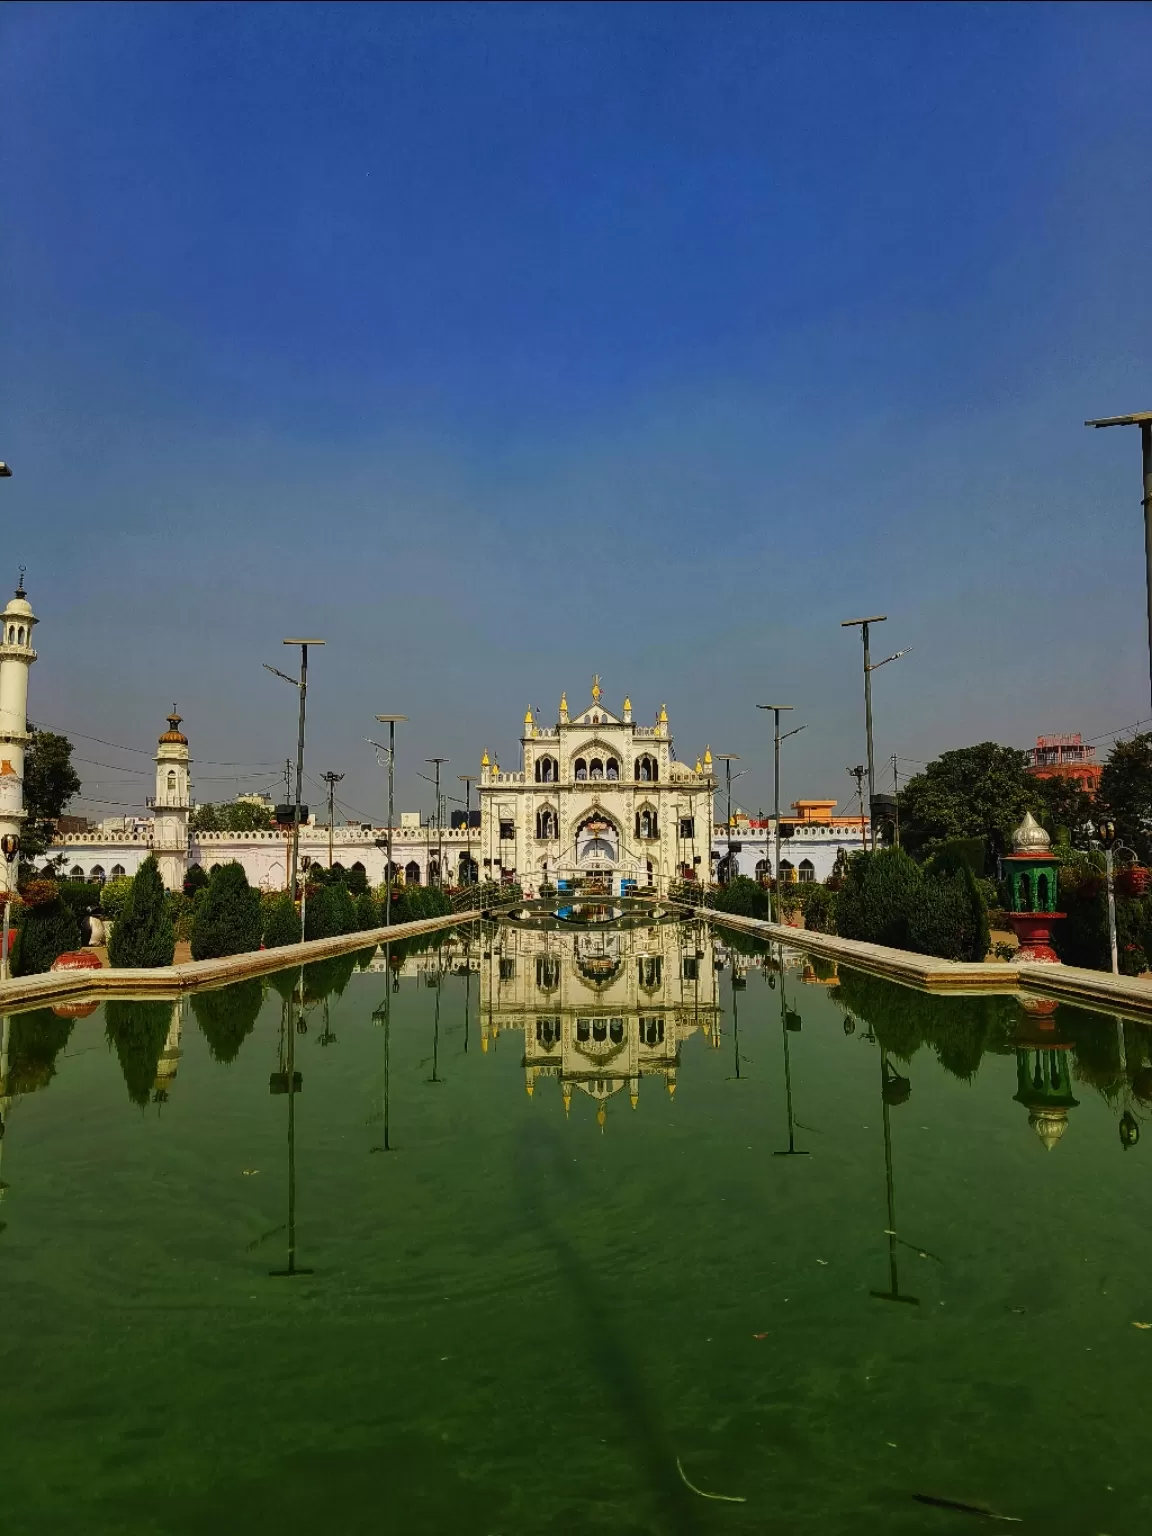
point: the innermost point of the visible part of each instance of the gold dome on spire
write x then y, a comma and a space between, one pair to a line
564, 708
528, 717
484, 762
663, 717
699, 766
627, 705
707, 757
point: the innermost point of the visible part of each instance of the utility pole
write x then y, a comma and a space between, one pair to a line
878, 618
1143, 420
858, 774
776, 711
390, 721
728, 758
896, 796
331, 779
468, 779
301, 686
435, 762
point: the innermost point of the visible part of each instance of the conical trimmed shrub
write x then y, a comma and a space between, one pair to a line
228, 919
281, 922
143, 934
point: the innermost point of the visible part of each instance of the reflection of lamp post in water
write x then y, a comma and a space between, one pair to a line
894, 1089
436, 1078
290, 1081
789, 1023
383, 1015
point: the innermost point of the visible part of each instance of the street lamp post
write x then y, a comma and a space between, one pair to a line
869, 668
728, 758
468, 779
301, 686
390, 721
435, 762
1107, 834
331, 779
1143, 420
10, 847
776, 711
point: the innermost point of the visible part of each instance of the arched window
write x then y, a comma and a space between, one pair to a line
11, 634
646, 823
807, 872
596, 769
97, 872
75, 873
21, 641
580, 769
612, 769
1025, 893
1042, 893
547, 972
412, 873
787, 870
647, 770
172, 781
583, 1029
599, 1029
649, 970
616, 1030
652, 1031
117, 871
763, 870
546, 824
546, 770
548, 1032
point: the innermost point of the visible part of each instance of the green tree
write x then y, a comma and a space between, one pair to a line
231, 816
980, 791
143, 934
344, 909
115, 895
36, 1039
1065, 808
50, 782
1125, 793
137, 1032
228, 919
320, 916
892, 887
281, 921
367, 912
49, 930
948, 918
227, 1016
195, 880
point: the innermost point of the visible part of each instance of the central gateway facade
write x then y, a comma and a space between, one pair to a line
597, 799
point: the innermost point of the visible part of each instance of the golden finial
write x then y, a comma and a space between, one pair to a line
567, 1091
602, 1116
528, 717
663, 714
627, 705
635, 1097
564, 708
707, 757
496, 767
671, 1087
529, 1084
596, 689
699, 766
484, 762
484, 1044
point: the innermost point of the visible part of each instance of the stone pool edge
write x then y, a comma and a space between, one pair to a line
1097, 989
48, 987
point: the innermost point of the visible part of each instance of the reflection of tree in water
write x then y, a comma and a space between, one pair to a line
959, 1029
323, 978
34, 1042
1114, 1061
227, 1016
137, 1032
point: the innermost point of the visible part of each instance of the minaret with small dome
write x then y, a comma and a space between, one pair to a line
16, 658
1031, 873
171, 804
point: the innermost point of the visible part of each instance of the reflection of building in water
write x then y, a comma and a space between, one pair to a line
1044, 1083
599, 1010
168, 1065
448, 956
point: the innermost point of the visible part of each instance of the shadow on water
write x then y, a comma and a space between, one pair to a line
607, 1347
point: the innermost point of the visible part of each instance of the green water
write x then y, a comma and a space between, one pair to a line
514, 1312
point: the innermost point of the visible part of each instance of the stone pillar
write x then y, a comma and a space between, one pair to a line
171, 805
16, 658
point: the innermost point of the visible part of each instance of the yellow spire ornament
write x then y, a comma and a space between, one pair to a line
564, 708
707, 757
484, 762
596, 689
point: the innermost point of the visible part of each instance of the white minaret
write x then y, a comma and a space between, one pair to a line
16, 656
170, 805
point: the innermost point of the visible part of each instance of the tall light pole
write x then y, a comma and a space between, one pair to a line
878, 618
468, 779
776, 711
435, 762
858, 774
390, 721
728, 758
1143, 420
331, 779
301, 686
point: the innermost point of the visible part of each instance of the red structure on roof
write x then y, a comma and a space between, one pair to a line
1065, 757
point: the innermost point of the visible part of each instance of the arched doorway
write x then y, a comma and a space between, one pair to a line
412, 873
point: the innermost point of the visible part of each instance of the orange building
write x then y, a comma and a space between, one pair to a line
1065, 757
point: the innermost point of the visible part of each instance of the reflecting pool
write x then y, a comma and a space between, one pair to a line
621, 1228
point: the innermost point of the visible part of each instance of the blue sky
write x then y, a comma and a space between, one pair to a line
502, 345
